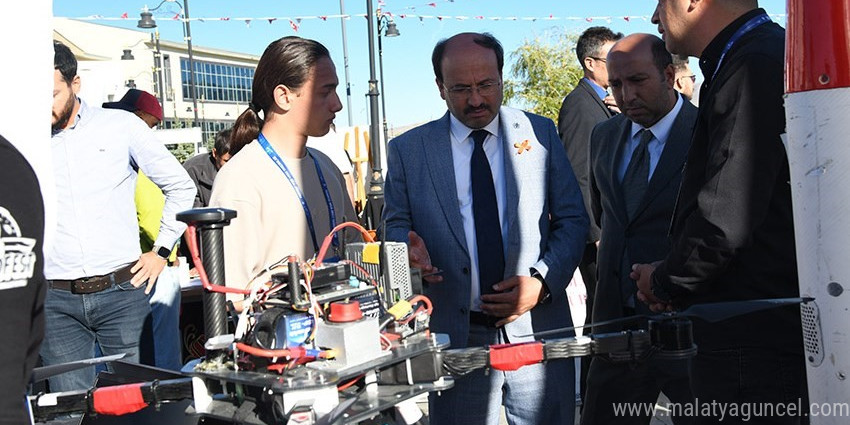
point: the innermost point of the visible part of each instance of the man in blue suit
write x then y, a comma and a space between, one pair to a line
485, 195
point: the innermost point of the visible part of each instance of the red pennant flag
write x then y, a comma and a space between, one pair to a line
293, 25
479, 17
226, 18
124, 15
432, 4
439, 18
176, 16
272, 20
626, 18
324, 18
588, 19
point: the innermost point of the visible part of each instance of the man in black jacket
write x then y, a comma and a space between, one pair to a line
733, 233
587, 105
22, 284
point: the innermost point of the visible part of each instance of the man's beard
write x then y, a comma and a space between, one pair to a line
63, 119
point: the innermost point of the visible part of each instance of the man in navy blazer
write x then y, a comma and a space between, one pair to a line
641, 75
433, 198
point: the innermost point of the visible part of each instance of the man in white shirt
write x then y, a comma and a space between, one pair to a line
97, 276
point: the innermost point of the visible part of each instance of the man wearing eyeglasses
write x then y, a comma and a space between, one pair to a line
685, 78
486, 196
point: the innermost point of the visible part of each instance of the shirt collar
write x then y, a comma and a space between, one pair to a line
601, 92
661, 129
461, 132
711, 55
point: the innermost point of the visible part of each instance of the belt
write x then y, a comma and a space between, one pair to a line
90, 285
481, 319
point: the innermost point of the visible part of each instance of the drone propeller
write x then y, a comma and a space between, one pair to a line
710, 312
715, 312
44, 372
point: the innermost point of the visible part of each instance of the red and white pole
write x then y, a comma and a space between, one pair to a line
817, 108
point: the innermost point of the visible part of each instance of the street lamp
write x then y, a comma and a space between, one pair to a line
147, 22
390, 31
375, 185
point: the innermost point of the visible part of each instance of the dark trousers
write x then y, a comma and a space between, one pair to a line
587, 268
755, 380
611, 386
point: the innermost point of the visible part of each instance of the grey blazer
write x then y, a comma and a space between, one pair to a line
643, 239
547, 223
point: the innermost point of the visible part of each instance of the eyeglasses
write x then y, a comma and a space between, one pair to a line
603, 60
692, 77
486, 89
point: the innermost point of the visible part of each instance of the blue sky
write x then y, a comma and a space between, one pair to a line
411, 95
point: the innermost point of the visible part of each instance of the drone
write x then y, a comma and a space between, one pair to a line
342, 342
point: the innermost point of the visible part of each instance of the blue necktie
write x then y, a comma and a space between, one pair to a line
485, 211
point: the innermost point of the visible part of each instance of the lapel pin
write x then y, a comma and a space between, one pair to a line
522, 147
516, 125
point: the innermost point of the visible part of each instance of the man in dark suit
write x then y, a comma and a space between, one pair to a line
636, 163
587, 105
486, 194
732, 230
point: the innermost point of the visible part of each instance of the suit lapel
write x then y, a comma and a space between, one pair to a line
589, 89
673, 156
437, 145
622, 136
509, 126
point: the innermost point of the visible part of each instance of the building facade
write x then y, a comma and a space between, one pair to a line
113, 60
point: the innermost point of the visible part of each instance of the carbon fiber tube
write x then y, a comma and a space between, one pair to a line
212, 255
210, 223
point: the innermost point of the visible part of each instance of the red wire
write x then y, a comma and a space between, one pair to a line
202, 272
329, 238
348, 384
262, 352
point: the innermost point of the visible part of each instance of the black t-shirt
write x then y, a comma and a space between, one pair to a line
22, 285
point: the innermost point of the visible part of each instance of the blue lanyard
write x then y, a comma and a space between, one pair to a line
754, 22
280, 164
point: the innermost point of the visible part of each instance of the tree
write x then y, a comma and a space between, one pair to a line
545, 69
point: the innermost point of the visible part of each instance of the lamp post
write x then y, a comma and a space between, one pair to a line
147, 22
390, 30
375, 189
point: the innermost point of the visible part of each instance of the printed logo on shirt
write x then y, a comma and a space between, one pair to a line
17, 261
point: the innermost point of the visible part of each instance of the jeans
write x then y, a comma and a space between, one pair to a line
754, 380
112, 318
165, 314
535, 394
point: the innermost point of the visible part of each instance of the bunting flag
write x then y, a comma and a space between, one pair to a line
298, 19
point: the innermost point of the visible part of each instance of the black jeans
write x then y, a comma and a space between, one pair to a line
749, 386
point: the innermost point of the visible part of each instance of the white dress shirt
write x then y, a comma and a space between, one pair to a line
462, 147
95, 165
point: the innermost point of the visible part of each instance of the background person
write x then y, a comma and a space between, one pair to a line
163, 347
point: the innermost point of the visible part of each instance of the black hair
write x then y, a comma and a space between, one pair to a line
287, 61
64, 61
485, 40
223, 143
590, 42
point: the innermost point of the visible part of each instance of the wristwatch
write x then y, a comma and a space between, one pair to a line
547, 296
162, 252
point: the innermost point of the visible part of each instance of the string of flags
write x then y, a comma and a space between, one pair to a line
296, 22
